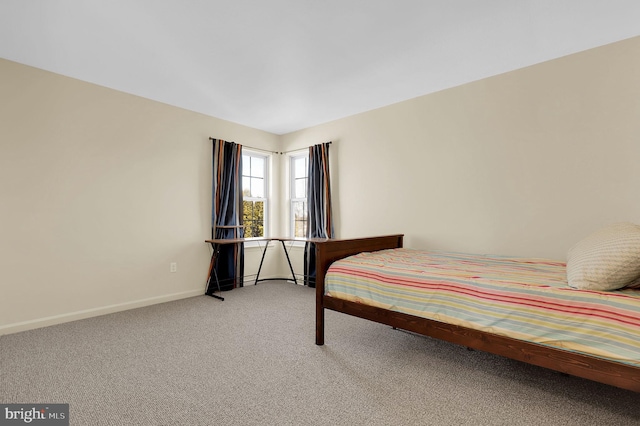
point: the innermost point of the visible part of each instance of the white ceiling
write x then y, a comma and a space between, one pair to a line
283, 65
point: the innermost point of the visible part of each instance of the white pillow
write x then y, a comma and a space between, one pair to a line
608, 259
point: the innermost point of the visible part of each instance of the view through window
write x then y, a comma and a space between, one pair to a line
254, 190
299, 177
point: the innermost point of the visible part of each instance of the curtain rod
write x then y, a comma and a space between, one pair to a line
300, 149
256, 149
266, 150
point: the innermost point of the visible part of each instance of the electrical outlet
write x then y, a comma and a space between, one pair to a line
173, 267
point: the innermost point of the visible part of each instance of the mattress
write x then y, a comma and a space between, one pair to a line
523, 298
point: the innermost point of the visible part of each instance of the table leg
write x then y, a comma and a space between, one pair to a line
261, 260
293, 274
212, 268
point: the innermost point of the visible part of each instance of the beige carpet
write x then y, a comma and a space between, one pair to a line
251, 360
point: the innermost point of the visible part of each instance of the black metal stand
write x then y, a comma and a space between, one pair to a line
212, 269
284, 247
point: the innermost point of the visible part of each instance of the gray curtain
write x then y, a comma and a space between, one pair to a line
226, 212
320, 220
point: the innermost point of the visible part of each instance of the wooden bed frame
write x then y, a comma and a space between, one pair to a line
592, 368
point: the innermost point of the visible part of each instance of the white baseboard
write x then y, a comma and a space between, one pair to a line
94, 312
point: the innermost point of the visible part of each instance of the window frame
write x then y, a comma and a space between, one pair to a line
265, 180
292, 191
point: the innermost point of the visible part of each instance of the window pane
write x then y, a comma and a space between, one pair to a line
299, 218
257, 167
300, 189
300, 167
246, 187
299, 210
257, 187
253, 218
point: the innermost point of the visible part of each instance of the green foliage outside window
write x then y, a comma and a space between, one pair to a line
299, 218
253, 218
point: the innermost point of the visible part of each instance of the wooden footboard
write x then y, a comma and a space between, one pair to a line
612, 373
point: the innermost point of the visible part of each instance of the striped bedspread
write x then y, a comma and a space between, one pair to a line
527, 299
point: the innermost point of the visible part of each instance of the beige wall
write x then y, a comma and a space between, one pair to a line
523, 163
100, 191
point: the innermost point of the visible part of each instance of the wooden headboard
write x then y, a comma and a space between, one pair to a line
328, 251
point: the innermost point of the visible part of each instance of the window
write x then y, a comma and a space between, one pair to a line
299, 177
254, 194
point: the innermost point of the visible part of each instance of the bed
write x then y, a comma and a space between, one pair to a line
467, 303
